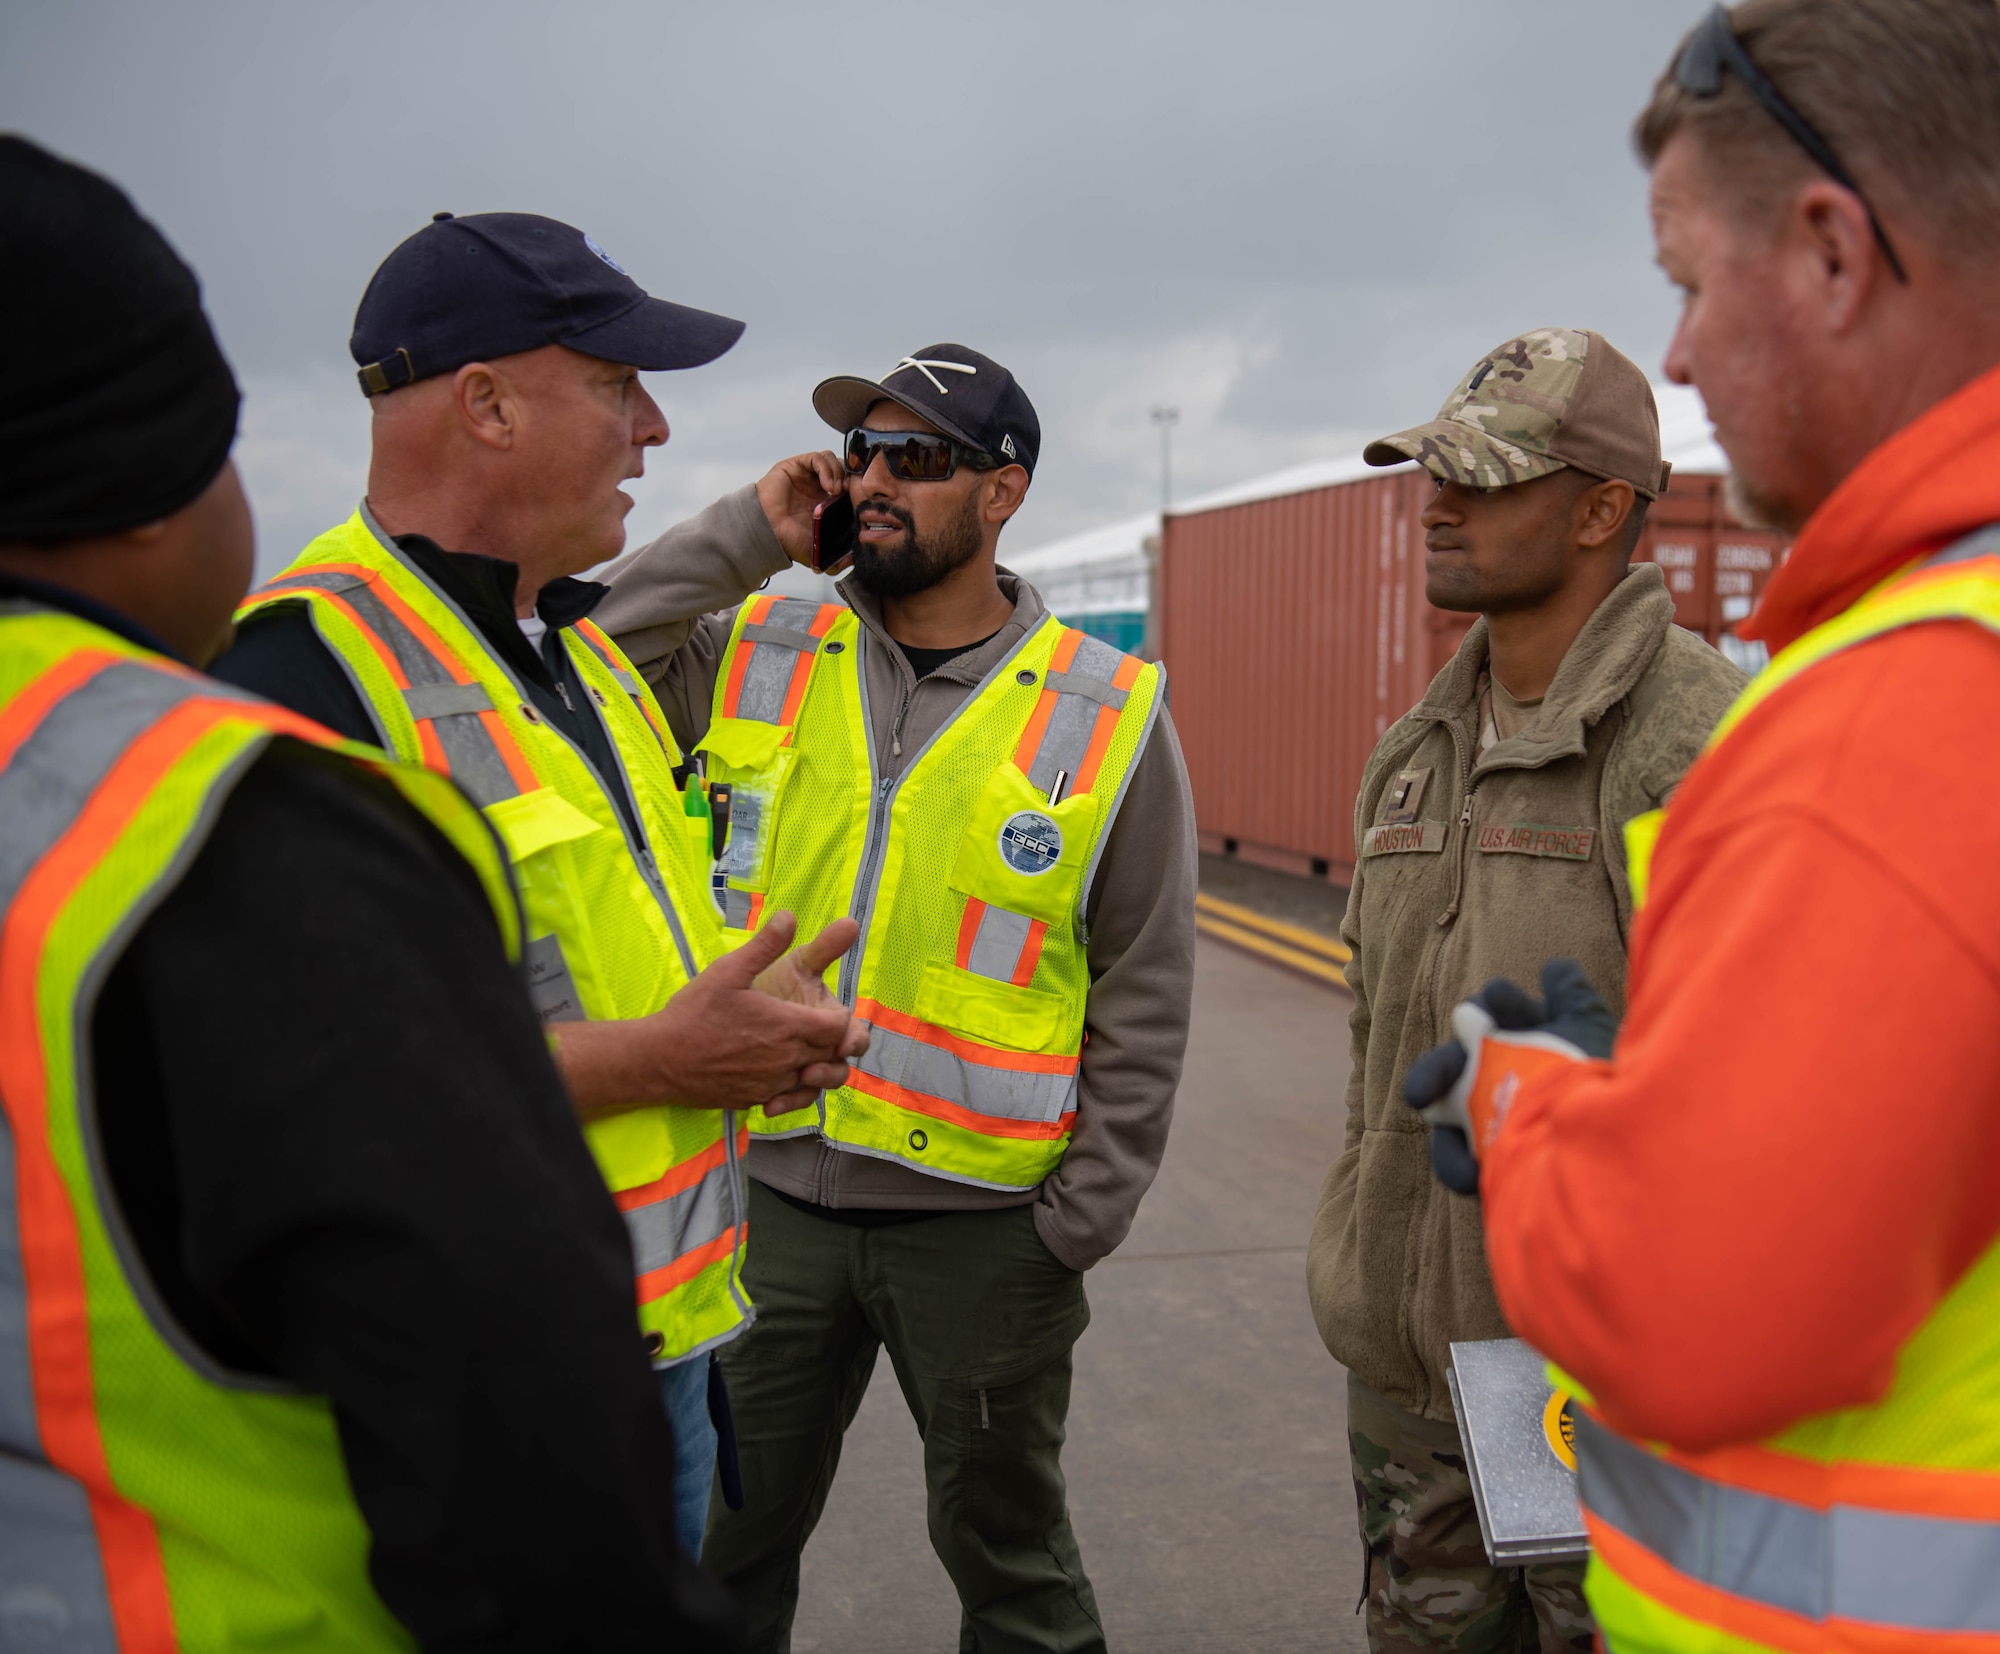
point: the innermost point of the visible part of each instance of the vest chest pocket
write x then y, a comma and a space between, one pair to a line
751, 758
543, 833
1023, 854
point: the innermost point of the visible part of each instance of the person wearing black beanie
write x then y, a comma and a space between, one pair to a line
286, 1159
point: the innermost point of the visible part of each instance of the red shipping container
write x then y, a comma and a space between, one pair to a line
1295, 631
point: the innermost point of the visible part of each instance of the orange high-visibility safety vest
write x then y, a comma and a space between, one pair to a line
148, 1500
1863, 1531
969, 871
618, 921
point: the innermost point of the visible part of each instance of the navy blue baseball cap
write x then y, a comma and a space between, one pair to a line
495, 283
964, 394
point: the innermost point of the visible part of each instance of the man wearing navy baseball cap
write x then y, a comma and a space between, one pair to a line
444, 622
1000, 801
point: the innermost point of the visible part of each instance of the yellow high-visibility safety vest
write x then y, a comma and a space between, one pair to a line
1866, 1530
617, 921
150, 1501
969, 882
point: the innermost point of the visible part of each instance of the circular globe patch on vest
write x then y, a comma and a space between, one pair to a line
1030, 843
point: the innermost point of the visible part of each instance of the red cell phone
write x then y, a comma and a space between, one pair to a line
834, 534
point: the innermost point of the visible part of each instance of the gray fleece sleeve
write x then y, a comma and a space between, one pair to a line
666, 598
1141, 990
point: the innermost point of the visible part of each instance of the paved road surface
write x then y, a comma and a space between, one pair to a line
1207, 1456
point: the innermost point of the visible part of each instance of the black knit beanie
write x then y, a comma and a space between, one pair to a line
116, 405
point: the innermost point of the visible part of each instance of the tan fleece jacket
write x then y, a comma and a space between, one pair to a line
663, 612
1474, 866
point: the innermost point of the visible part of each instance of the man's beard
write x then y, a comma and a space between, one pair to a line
919, 564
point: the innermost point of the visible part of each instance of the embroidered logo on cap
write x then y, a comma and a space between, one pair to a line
591, 242
1007, 447
1030, 843
924, 365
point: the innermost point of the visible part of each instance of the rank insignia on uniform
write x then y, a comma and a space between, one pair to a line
1530, 838
1406, 794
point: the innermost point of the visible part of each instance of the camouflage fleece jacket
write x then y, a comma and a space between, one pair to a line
1470, 870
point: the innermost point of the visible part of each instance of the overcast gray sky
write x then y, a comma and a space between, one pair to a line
1298, 222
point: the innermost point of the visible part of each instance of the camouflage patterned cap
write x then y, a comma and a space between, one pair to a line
1557, 396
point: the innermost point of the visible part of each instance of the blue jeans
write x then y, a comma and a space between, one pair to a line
684, 1391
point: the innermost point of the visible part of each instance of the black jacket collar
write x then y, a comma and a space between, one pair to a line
85, 608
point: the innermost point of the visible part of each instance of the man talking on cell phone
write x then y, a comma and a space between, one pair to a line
999, 801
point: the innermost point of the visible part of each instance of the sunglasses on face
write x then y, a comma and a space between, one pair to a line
913, 456
1712, 48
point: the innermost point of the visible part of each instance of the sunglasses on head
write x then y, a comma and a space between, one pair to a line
1712, 48
913, 456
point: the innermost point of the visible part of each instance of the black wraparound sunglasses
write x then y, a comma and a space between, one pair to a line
1712, 48
913, 456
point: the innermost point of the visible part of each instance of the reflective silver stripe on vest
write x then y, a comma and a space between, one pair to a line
51, 1575
998, 943
1981, 542
736, 907
1081, 693
671, 1228
1003, 1093
1916, 1573
469, 749
1074, 720
775, 645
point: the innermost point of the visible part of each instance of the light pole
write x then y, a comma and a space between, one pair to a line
1166, 418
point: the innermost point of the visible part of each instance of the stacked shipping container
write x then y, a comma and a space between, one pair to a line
1295, 631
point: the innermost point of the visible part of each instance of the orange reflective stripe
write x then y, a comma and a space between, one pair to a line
1031, 953
968, 931
518, 768
795, 692
51, 1248
1045, 703
679, 1179
938, 1108
1107, 723
1644, 1572
756, 909
989, 1056
649, 708
1970, 1495
739, 657
657, 1283
28, 708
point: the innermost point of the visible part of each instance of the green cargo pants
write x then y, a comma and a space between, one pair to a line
1430, 1587
979, 1319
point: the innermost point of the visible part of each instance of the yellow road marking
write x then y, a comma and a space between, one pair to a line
1310, 964
1293, 936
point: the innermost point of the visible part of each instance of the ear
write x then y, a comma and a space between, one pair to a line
1004, 489
488, 405
1832, 236
1601, 512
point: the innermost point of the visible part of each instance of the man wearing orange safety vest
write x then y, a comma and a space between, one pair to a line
1760, 1231
999, 800
315, 1318
500, 354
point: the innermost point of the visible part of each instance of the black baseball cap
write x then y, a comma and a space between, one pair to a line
495, 283
965, 395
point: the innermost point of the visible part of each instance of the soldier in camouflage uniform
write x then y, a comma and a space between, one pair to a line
1489, 833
